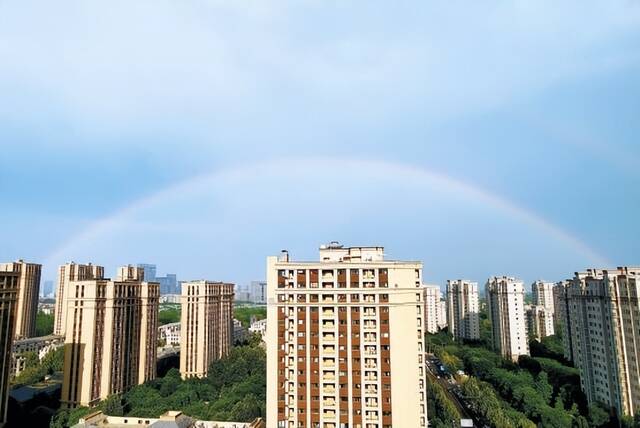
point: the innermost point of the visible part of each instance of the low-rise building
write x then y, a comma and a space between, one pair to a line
259, 326
41, 346
171, 419
170, 298
170, 333
239, 332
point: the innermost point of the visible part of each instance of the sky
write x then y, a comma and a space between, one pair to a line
481, 138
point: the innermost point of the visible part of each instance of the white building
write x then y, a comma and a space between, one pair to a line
170, 333
432, 307
170, 298
260, 327
41, 346
171, 419
505, 303
543, 295
539, 322
463, 312
604, 321
441, 315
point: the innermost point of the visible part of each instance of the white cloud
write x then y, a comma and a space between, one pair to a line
121, 65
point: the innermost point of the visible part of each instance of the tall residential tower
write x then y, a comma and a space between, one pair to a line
505, 304
111, 338
206, 331
8, 308
463, 311
604, 322
27, 299
67, 273
345, 341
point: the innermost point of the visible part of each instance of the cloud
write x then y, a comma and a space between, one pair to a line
109, 66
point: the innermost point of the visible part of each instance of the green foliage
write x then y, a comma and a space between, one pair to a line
44, 324
65, 418
36, 371
112, 405
168, 315
598, 415
244, 314
442, 412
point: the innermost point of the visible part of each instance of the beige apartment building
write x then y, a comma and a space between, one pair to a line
67, 273
463, 310
206, 325
432, 309
345, 341
111, 338
505, 304
28, 292
539, 322
8, 307
604, 320
543, 295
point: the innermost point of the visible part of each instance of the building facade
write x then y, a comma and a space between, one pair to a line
170, 333
561, 316
111, 338
539, 322
28, 294
67, 273
441, 314
41, 346
463, 312
505, 304
543, 295
207, 325
345, 341
604, 321
432, 309
8, 307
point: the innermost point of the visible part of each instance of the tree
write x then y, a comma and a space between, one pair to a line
44, 324
598, 415
112, 405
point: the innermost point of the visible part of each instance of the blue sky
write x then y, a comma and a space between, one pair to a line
203, 136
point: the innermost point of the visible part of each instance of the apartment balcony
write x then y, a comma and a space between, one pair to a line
371, 378
328, 325
329, 391
329, 403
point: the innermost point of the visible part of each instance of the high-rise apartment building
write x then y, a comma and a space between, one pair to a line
604, 320
28, 293
67, 273
432, 310
206, 331
345, 341
8, 307
111, 338
505, 304
463, 311
539, 322
561, 316
441, 315
543, 295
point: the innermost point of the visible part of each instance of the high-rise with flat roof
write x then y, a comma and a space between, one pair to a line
8, 308
505, 304
28, 293
539, 322
604, 318
111, 338
206, 331
542, 292
463, 312
345, 340
67, 273
432, 308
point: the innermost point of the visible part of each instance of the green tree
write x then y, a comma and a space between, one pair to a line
598, 415
112, 405
44, 324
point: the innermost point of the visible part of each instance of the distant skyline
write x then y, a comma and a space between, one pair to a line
482, 139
